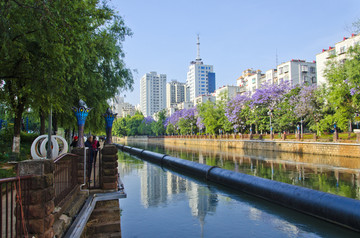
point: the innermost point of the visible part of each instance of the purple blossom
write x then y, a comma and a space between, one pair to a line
304, 103
270, 94
235, 106
147, 120
184, 113
353, 91
199, 123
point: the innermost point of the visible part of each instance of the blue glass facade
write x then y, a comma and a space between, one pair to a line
211, 78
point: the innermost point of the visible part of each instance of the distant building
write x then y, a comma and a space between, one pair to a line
200, 77
297, 72
204, 98
338, 53
175, 93
152, 93
271, 76
128, 110
185, 105
250, 80
227, 92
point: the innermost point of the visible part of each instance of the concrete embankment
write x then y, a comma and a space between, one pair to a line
333, 208
318, 148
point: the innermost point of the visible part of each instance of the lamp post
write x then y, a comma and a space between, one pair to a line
301, 122
335, 132
109, 119
270, 115
81, 113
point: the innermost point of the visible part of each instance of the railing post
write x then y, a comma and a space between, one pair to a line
40, 201
109, 167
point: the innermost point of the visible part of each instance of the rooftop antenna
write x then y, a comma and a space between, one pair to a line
198, 48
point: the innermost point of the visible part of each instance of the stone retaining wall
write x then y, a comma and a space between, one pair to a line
42, 194
332, 149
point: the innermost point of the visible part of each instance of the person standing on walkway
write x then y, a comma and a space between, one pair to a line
95, 146
90, 159
74, 142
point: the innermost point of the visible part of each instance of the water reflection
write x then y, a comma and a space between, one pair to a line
172, 205
158, 189
337, 175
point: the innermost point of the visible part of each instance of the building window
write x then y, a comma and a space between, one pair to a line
281, 70
304, 68
286, 68
312, 69
342, 49
331, 53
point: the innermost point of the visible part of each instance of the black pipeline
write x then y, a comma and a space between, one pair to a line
333, 208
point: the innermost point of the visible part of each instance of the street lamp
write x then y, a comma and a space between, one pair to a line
270, 114
301, 122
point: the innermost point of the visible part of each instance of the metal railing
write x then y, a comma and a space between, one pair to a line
14, 206
65, 176
94, 168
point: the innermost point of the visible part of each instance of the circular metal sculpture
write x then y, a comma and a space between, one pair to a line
38, 147
81, 113
109, 119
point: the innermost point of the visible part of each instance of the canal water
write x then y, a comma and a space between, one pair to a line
331, 174
162, 203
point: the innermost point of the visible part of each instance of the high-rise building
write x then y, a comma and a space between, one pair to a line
200, 77
152, 93
175, 93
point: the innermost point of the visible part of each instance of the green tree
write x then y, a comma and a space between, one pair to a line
54, 53
119, 126
158, 127
133, 124
343, 89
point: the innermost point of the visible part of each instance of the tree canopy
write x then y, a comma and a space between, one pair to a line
54, 53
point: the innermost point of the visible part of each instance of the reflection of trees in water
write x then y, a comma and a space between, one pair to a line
127, 164
338, 175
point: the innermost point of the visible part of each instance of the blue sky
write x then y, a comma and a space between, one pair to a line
234, 35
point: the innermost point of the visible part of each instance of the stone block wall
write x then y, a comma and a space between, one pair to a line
80, 164
320, 148
41, 197
109, 168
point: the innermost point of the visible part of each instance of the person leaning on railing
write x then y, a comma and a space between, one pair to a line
90, 159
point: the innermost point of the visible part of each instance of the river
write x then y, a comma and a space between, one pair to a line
162, 203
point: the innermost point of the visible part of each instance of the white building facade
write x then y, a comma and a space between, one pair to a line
250, 80
297, 72
175, 93
203, 99
227, 92
152, 93
200, 77
337, 53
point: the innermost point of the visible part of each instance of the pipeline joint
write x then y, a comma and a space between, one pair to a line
161, 160
208, 171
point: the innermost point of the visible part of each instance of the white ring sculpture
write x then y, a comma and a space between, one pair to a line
38, 147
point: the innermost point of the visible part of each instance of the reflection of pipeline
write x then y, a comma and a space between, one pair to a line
333, 208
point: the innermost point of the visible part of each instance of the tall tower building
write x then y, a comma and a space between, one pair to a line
152, 93
175, 93
200, 77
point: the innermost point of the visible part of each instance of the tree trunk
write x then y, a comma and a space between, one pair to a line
17, 129
42, 122
54, 124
